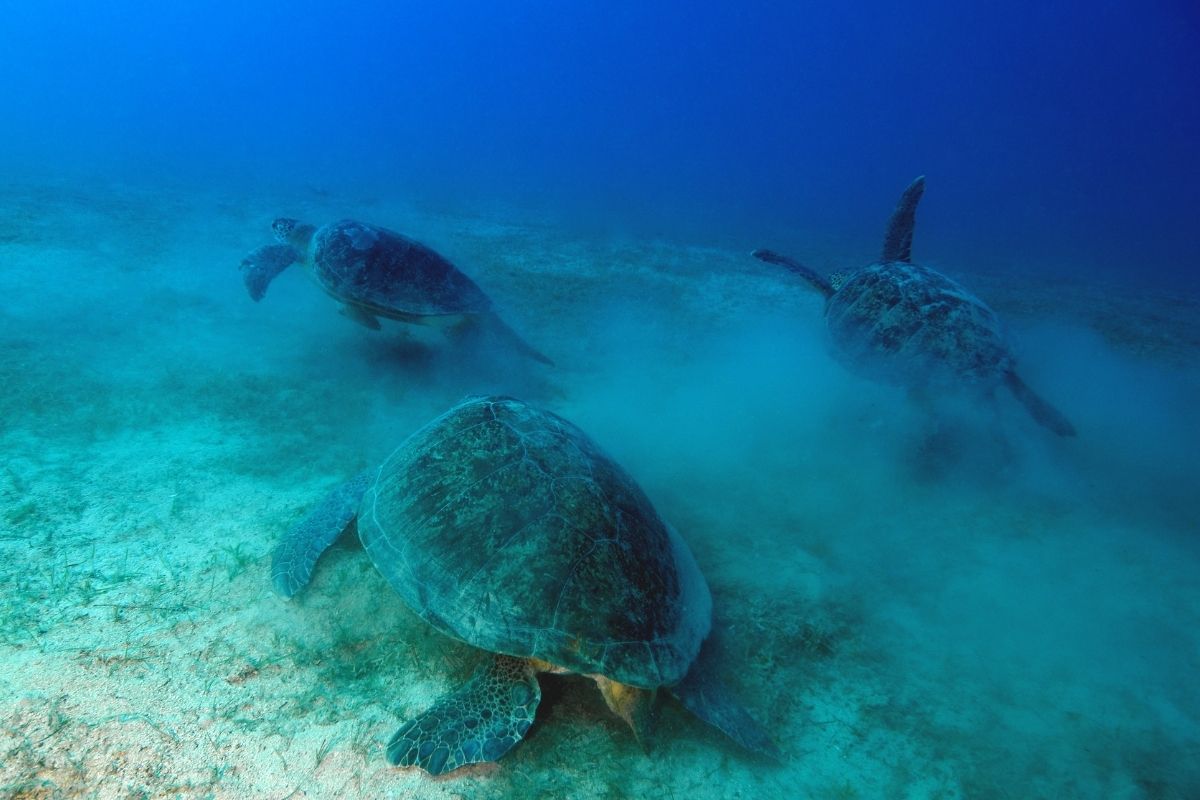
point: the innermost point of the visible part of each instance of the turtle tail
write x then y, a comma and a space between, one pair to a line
261, 266
1043, 413
820, 284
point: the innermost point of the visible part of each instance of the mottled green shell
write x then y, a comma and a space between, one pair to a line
908, 324
390, 275
507, 527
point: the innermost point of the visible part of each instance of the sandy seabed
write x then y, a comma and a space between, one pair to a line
1002, 615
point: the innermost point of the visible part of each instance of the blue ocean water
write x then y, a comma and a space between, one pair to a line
987, 611
1066, 128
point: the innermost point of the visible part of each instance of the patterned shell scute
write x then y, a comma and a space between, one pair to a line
388, 273
906, 323
506, 527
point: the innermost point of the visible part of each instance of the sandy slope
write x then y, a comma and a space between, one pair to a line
1015, 620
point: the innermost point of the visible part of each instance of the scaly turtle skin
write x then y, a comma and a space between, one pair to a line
507, 528
905, 323
375, 272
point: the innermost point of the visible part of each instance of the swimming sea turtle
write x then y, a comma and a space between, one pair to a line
375, 272
905, 323
506, 527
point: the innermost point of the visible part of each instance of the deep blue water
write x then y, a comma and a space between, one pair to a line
1065, 130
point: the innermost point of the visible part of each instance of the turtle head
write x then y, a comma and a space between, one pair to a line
293, 232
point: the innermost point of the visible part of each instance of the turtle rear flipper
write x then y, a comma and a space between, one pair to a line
820, 284
705, 695
502, 331
263, 264
635, 706
296, 556
1043, 413
481, 721
488, 327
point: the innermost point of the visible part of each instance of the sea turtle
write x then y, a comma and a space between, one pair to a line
506, 527
375, 272
905, 323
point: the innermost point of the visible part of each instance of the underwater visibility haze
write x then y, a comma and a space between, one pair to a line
904, 507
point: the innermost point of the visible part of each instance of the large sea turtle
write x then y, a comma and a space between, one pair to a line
904, 323
375, 272
506, 527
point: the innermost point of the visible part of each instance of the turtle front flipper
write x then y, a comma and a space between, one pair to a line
897, 244
706, 696
263, 264
296, 556
481, 721
1042, 412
